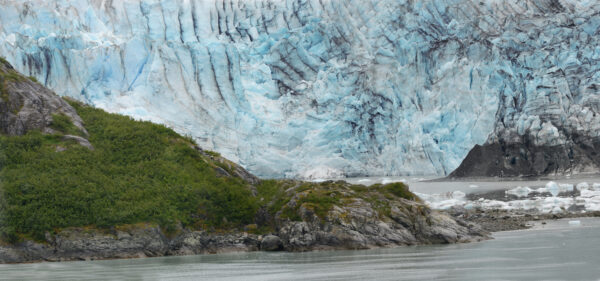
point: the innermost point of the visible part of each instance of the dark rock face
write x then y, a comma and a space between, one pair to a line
271, 243
140, 241
578, 155
359, 226
26, 105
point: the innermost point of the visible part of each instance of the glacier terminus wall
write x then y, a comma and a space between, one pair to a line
324, 88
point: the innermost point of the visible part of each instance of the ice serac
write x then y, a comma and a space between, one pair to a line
318, 88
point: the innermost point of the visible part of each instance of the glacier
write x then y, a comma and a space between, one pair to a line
325, 88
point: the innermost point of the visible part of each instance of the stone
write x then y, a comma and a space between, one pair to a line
271, 243
26, 105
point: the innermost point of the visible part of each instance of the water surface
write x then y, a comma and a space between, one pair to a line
556, 251
429, 184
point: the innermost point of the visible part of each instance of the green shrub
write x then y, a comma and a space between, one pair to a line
400, 190
64, 124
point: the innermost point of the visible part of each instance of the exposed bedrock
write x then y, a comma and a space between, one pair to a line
525, 159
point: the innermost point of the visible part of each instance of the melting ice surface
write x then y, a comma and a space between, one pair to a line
559, 250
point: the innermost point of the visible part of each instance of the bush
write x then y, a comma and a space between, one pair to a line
400, 190
64, 124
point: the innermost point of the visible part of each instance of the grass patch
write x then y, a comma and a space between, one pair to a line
317, 197
12, 75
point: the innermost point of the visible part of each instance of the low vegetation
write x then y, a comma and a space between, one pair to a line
63, 124
138, 172
286, 198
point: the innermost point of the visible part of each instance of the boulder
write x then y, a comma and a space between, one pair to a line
271, 243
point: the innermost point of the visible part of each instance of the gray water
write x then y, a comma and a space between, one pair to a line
428, 184
555, 251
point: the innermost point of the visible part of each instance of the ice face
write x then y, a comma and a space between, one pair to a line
307, 88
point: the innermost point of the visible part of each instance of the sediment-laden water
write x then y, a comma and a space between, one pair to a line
558, 250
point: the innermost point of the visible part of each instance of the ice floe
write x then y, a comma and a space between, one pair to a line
581, 197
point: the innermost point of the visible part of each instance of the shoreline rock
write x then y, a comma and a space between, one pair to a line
362, 231
75, 244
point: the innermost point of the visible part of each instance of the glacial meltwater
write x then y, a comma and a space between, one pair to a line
558, 250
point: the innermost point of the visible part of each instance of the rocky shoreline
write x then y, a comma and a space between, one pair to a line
503, 220
146, 240
361, 229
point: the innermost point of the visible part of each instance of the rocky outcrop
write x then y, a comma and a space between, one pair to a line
358, 226
27, 105
132, 242
578, 154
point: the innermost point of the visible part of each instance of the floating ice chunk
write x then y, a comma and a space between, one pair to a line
552, 187
446, 204
586, 193
388, 180
555, 204
520, 191
473, 186
575, 223
583, 185
565, 187
596, 186
555, 188
458, 195
556, 210
445, 200
494, 205
363, 180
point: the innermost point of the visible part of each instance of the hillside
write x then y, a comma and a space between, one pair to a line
79, 179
